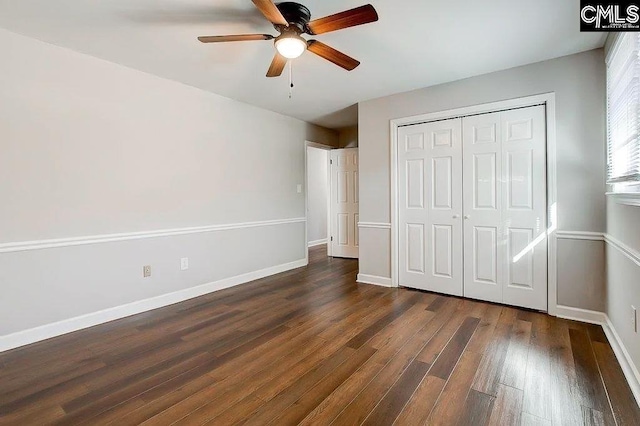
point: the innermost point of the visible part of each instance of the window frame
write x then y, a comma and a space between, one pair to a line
628, 188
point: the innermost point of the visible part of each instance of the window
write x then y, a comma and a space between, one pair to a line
623, 112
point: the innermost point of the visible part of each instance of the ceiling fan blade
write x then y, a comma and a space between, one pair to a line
331, 54
277, 65
349, 18
237, 37
270, 11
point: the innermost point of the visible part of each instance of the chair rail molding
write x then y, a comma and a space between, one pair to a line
580, 235
107, 238
375, 225
629, 252
627, 198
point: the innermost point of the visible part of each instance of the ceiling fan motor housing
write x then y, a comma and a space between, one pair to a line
295, 14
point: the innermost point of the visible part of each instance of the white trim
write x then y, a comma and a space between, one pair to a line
629, 252
624, 359
375, 225
549, 99
627, 198
613, 46
580, 235
317, 243
475, 109
107, 238
583, 315
375, 280
48, 331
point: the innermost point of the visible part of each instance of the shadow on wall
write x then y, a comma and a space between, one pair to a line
348, 137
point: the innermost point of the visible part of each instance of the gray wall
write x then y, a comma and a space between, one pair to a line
623, 270
348, 137
88, 147
317, 193
579, 84
623, 273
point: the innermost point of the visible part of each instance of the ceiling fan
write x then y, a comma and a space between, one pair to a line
292, 20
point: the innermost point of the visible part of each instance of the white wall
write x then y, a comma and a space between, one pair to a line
317, 193
88, 147
579, 84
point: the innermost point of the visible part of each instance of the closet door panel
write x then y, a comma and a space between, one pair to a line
483, 251
525, 211
430, 206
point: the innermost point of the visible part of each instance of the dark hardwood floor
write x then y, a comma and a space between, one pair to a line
311, 346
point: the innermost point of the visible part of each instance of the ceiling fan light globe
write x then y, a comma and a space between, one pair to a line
291, 47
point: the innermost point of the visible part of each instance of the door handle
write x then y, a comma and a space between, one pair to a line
466, 216
456, 216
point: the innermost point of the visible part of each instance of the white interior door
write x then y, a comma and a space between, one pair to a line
504, 180
430, 206
344, 208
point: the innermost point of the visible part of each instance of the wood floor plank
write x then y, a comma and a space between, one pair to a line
537, 382
395, 399
454, 395
311, 346
592, 417
448, 358
419, 406
507, 407
274, 406
531, 420
515, 363
592, 391
358, 409
477, 409
313, 397
228, 389
565, 396
388, 343
618, 390
490, 370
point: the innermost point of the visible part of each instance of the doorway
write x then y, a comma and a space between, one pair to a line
317, 204
332, 207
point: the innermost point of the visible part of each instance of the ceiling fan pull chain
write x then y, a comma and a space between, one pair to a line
290, 79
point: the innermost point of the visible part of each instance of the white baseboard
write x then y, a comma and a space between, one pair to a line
48, 331
375, 280
584, 315
626, 363
628, 367
317, 243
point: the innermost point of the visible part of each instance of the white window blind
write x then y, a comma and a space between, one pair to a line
623, 110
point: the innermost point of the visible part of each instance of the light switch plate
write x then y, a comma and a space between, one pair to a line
299, 188
184, 263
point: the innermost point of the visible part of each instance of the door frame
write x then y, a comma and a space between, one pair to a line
309, 144
547, 99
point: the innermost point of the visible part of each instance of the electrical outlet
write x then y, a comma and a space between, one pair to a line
184, 263
634, 319
146, 271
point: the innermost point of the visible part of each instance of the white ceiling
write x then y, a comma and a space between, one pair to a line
416, 43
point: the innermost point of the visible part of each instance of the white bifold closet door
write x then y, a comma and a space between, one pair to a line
472, 207
505, 204
430, 206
